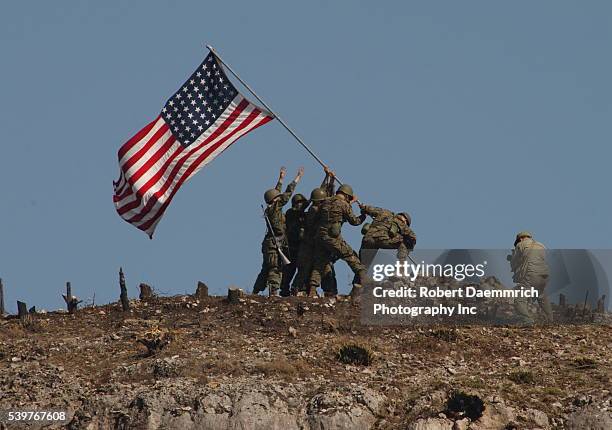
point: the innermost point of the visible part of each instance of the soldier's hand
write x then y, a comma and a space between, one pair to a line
355, 199
300, 173
283, 172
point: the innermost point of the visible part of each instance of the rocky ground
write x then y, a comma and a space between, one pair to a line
272, 363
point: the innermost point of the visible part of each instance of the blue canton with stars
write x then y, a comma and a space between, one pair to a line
199, 102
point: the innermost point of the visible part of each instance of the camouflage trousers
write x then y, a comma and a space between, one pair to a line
521, 304
305, 260
381, 243
270, 275
367, 251
328, 249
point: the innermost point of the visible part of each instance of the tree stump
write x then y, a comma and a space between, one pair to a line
601, 305
125, 302
201, 291
2, 310
72, 302
234, 294
562, 302
146, 292
22, 311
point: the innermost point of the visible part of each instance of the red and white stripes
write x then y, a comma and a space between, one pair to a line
154, 164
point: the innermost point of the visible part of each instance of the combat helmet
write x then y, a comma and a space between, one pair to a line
346, 189
318, 194
298, 198
407, 216
271, 195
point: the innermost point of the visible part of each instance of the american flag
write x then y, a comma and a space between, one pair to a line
204, 117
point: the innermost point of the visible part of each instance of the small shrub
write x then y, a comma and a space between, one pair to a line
278, 367
584, 363
447, 335
522, 377
355, 354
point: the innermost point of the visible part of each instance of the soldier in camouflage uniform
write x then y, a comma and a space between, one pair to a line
306, 249
329, 244
294, 223
528, 263
387, 231
271, 269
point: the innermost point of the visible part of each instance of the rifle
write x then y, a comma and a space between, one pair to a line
283, 257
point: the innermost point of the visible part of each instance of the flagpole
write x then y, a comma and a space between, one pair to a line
283, 123
300, 141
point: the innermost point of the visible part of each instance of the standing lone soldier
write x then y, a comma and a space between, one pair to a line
306, 250
528, 263
329, 244
271, 269
294, 222
387, 231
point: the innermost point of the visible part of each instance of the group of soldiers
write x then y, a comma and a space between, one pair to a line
302, 244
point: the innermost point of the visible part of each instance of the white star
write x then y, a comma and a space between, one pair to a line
209, 109
200, 95
182, 122
207, 122
202, 116
185, 89
195, 121
200, 128
182, 102
178, 95
198, 74
171, 103
188, 128
202, 82
192, 82
196, 89
190, 115
164, 109
185, 109
192, 135
208, 74
189, 96
198, 109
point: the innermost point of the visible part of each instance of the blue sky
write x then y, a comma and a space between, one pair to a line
479, 118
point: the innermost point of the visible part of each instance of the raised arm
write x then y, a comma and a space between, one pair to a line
281, 177
286, 196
